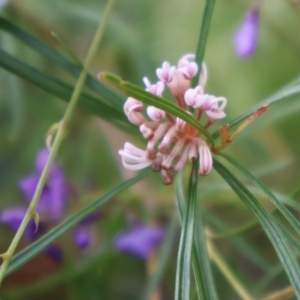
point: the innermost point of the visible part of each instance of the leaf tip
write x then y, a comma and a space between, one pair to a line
110, 78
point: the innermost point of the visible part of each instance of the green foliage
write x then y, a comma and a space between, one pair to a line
135, 41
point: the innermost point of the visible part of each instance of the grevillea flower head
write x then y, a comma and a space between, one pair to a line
171, 142
245, 38
140, 240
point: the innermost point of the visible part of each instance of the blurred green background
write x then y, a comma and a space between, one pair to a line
139, 37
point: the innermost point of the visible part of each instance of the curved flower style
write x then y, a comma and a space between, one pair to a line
51, 208
134, 158
140, 240
245, 38
171, 141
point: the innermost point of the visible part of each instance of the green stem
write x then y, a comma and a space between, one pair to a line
31, 211
207, 14
182, 288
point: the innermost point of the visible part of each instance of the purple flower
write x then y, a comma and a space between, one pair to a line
53, 197
13, 216
139, 241
81, 237
51, 207
245, 38
55, 252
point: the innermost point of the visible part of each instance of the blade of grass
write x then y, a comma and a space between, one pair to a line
207, 14
182, 288
59, 88
54, 56
285, 212
35, 248
200, 259
151, 99
269, 225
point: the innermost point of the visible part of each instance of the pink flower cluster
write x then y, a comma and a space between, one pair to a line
171, 141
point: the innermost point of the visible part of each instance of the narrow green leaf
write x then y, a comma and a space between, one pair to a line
207, 14
269, 225
182, 288
285, 212
164, 256
279, 96
54, 56
151, 99
200, 259
59, 88
32, 250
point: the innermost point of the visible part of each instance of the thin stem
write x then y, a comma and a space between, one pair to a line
31, 211
295, 194
207, 14
236, 231
286, 293
250, 225
229, 275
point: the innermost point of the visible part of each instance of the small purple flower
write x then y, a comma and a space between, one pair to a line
52, 202
55, 252
51, 207
139, 241
13, 216
245, 38
81, 237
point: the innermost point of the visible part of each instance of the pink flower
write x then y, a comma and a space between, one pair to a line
165, 73
206, 162
187, 68
194, 97
155, 114
133, 109
212, 109
171, 142
156, 89
134, 158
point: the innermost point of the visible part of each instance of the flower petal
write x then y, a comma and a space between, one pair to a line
140, 241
